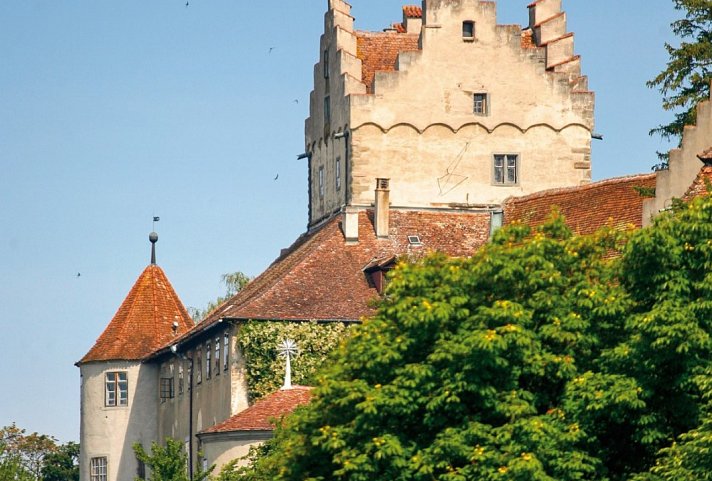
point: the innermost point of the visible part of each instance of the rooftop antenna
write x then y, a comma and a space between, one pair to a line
287, 348
153, 237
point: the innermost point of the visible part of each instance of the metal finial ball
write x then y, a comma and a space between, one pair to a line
153, 237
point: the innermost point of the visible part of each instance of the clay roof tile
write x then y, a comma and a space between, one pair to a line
144, 321
412, 11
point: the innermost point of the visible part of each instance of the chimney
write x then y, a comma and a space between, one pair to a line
350, 224
382, 207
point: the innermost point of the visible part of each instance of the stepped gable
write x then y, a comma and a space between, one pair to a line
378, 52
586, 208
321, 277
144, 322
262, 415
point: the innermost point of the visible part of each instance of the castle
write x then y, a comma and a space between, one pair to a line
427, 136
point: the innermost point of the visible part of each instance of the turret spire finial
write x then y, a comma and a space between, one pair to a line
153, 237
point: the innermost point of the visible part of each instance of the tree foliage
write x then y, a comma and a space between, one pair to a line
543, 357
234, 282
62, 465
686, 79
22, 455
168, 463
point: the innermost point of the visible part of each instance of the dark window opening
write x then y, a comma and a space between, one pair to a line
468, 29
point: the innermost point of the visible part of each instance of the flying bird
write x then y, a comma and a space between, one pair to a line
79, 274
276, 177
296, 101
270, 49
186, 4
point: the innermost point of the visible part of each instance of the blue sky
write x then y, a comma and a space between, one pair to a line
112, 112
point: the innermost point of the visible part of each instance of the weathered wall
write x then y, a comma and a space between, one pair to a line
684, 164
111, 431
416, 124
220, 448
214, 399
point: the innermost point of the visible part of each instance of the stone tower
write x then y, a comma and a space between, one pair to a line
457, 111
119, 405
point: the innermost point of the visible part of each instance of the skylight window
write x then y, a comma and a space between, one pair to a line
414, 240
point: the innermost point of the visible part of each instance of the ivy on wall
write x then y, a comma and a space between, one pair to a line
258, 342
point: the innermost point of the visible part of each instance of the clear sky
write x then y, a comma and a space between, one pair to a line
112, 112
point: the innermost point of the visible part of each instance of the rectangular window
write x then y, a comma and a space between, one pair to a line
181, 381
98, 469
141, 469
326, 64
468, 30
199, 368
226, 348
321, 182
208, 366
167, 388
217, 356
117, 389
338, 173
327, 110
505, 169
481, 105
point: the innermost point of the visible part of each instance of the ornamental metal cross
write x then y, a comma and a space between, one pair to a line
287, 348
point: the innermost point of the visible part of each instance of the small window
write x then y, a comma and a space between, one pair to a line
167, 388
181, 380
208, 366
117, 389
468, 30
481, 104
505, 169
496, 221
217, 356
321, 182
226, 349
326, 64
199, 367
141, 469
338, 173
98, 468
327, 110
414, 240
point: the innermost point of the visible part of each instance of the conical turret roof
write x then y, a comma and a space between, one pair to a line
144, 322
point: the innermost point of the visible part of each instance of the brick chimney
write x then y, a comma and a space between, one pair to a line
380, 216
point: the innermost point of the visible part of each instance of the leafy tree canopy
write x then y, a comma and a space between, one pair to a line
22, 455
686, 79
543, 357
168, 463
62, 465
234, 282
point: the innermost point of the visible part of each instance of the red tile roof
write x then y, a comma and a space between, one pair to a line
261, 415
700, 186
706, 156
144, 322
528, 38
379, 51
588, 207
412, 11
399, 27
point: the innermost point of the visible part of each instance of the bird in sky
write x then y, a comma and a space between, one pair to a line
276, 177
270, 49
187, 3
79, 274
296, 101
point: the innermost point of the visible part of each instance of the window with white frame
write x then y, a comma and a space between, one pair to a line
208, 366
506, 168
199, 368
480, 104
226, 350
117, 389
321, 182
181, 379
98, 469
338, 173
217, 356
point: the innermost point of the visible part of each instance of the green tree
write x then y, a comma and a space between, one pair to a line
543, 357
23, 453
168, 463
234, 282
686, 79
62, 465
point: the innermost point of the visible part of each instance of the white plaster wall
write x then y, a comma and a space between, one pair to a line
222, 448
111, 431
